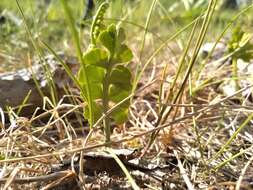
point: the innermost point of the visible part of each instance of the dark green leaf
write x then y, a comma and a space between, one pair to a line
123, 55
112, 29
96, 57
116, 93
120, 115
95, 77
121, 35
121, 76
97, 111
240, 45
95, 91
95, 74
108, 38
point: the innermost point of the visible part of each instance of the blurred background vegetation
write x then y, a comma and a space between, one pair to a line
46, 22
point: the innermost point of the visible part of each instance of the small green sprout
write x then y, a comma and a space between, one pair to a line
240, 47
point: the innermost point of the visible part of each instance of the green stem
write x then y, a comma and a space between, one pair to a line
235, 73
106, 121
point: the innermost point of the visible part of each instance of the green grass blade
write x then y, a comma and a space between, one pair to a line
146, 27
199, 42
144, 39
77, 44
38, 50
24, 102
225, 146
124, 169
65, 66
157, 51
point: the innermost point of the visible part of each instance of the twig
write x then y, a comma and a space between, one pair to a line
44, 178
183, 173
239, 182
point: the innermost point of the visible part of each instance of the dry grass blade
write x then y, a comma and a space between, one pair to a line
68, 174
2, 118
10, 178
184, 173
239, 182
87, 148
43, 178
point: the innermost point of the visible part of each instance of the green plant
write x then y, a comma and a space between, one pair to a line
239, 47
109, 80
